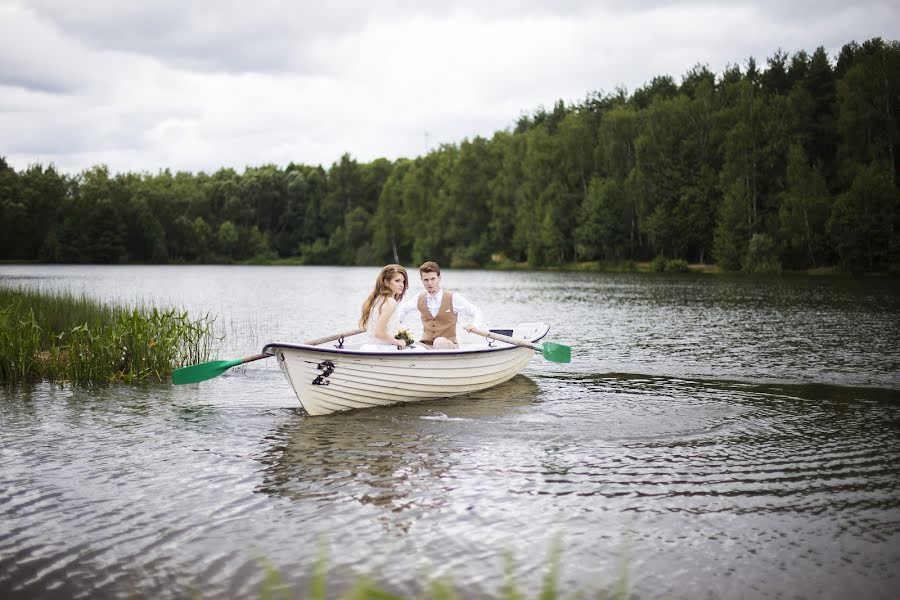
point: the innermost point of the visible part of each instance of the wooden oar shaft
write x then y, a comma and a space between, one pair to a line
505, 338
315, 342
253, 357
336, 336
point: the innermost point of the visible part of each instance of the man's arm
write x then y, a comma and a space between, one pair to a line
408, 305
470, 312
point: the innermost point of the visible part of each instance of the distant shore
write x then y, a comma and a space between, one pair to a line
583, 267
656, 266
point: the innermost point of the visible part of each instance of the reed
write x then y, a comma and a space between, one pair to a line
59, 336
276, 586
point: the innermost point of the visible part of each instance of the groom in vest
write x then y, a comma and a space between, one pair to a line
440, 310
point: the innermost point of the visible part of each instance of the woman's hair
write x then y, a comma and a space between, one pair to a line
382, 291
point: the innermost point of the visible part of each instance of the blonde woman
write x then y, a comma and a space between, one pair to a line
379, 312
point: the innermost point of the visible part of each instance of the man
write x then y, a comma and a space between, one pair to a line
440, 310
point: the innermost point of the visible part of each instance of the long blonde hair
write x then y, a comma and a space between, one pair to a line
382, 291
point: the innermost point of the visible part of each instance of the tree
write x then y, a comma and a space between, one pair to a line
227, 239
695, 216
390, 239
578, 139
358, 237
12, 212
820, 85
748, 151
662, 87
733, 231
345, 190
203, 236
796, 163
868, 97
666, 166
43, 193
616, 157
541, 197
504, 194
864, 221
463, 210
775, 78
601, 233
762, 255
96, 225
803, 214
698, 78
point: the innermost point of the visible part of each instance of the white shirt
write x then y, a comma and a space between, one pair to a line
462, 307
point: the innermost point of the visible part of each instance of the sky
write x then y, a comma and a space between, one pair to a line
201, 85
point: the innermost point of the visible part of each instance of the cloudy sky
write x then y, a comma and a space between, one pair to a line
198, 85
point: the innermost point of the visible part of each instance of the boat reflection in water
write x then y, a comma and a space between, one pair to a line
400, 458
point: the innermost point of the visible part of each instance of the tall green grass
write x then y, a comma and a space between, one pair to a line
63, 337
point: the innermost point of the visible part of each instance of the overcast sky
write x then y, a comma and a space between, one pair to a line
142, 86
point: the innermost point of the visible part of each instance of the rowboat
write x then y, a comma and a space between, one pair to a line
351, 375
342, 376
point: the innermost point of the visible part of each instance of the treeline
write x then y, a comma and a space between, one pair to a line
789, 166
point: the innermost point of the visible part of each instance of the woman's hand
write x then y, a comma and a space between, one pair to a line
401, 344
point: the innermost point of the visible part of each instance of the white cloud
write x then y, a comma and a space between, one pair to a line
202, 85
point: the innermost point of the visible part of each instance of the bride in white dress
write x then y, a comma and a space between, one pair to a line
379, 311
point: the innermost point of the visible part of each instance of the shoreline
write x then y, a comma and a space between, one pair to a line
576, 267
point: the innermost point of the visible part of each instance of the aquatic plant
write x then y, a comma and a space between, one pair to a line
60, 336
276, 586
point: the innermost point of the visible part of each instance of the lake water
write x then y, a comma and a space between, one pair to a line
712, 437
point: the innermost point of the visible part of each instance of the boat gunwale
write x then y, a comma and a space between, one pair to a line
401, 353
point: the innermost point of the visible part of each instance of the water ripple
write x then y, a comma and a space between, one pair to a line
719, 439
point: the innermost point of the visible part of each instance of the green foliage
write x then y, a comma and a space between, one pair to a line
275, 587
732, 232
867, 96
600, 233
57, 336
805, 206
762, 255
801, 151
658, 264
677, 265
661, 264
227, 238
865, 219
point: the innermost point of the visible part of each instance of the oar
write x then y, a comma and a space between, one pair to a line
550, 350
208, 370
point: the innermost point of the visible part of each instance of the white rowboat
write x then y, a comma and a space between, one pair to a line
330, 378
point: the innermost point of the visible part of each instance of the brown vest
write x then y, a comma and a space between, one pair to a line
442, 325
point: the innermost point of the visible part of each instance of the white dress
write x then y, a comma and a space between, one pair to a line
374, 344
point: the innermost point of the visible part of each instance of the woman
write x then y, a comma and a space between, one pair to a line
379, 309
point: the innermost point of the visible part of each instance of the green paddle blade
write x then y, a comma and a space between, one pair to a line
203, 371
556, 352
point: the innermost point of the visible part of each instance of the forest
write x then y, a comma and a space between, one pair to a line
790, 166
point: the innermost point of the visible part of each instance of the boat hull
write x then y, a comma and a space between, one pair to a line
328, 379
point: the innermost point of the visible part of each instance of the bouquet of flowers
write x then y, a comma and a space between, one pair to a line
406, 336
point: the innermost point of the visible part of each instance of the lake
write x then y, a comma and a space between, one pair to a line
713, 436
